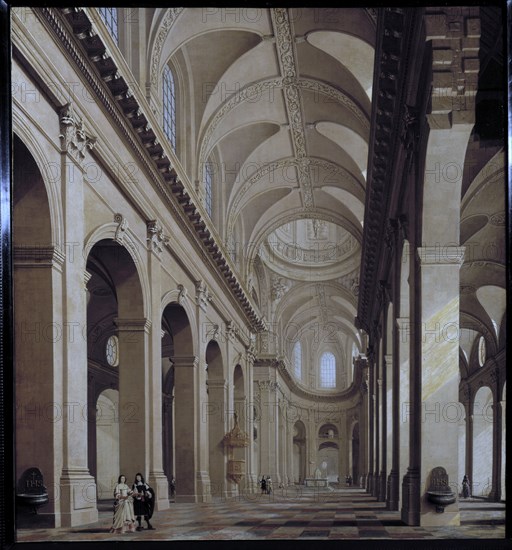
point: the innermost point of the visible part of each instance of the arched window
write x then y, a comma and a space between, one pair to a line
482, 356
297, 360
109, 16
208, 196
327, 370
169, 107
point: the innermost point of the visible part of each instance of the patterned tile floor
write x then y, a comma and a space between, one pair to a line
346, 513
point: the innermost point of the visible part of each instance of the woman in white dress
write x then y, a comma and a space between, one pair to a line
124, 517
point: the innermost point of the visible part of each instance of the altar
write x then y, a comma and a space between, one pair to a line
316, 482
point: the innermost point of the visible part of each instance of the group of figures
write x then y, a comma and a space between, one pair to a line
132, 503
266, 485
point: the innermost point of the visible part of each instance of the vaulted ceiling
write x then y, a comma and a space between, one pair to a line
280, 109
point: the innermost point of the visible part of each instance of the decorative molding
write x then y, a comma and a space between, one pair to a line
183, 295
165, 27
38, 256
287, 63
156, 238
132, 325
392, 56
455, 36
498, 219
231, 331
203, 296
437, 255
122, 226
279, 286
89, 53
73, 138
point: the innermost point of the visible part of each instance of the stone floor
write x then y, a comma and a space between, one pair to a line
294, 513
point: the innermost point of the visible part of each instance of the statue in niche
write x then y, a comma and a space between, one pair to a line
318, 473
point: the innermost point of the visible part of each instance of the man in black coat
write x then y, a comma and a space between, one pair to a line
143, 500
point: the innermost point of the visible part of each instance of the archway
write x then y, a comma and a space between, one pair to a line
38, 329
117, 344
328, 460
482, 442
328, 455
185, 367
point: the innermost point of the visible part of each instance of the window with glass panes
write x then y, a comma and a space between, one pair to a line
169, 107
109, 16
297, 360
208, 199
327, 370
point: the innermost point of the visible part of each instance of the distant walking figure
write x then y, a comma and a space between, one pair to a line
465, 487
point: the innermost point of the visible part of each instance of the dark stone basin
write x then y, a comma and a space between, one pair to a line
441, 498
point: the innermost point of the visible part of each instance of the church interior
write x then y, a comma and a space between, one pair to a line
260, 243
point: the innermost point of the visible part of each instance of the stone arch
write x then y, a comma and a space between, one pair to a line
116, 297
49, 172
187, 378
175, 297
37, 274
118, 232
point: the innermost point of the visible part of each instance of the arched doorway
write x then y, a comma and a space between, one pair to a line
117, 344
328, 455
185, 367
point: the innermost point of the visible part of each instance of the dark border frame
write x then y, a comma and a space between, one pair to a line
7, 399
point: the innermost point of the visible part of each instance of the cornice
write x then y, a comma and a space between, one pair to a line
87, 49
394, 31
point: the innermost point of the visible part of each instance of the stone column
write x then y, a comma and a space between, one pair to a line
364, 425
185, 423
38, 328
215, 418
134, 447
371, 439
388, 370
495, 494
252, 474
156, 478
269, 424
469, 444
77, 487
203, 482
439, 381
402, 406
